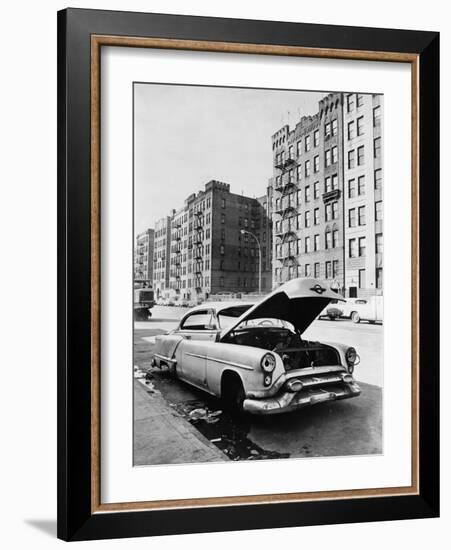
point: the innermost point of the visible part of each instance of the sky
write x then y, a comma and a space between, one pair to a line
188, 135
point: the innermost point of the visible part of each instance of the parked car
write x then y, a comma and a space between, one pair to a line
253, 356
332, 311
364, 309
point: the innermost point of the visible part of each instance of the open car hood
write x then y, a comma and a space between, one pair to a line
298, 301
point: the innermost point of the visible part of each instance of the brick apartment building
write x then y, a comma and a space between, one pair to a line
326, 195
209, 254
144, 256
161, 256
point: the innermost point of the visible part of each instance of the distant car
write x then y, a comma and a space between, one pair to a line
364, 309
332, 311
253, 356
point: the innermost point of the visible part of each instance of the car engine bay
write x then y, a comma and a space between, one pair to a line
295, 352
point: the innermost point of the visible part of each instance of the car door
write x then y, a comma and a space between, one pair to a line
199, 325
192, 363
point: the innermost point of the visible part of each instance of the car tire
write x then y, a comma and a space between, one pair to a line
355, 317
234, 396
331, 318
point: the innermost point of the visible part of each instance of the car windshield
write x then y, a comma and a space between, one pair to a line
227, 317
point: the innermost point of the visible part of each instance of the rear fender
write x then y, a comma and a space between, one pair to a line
166, 347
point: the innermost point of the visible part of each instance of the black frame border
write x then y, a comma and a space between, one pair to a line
75, 519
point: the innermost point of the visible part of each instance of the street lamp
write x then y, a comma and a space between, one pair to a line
243, 231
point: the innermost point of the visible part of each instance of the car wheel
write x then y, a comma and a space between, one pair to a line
331, 318
234, 396
355, 317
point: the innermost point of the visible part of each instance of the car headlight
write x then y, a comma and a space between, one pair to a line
352, 359
351, 356
268, 363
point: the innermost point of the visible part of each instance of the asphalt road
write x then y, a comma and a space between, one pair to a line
348, 427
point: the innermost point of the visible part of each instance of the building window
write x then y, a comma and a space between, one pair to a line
299, 148
307, 193
335, 210
352, 248
307, 245
223, 203
377, 147
378, 277
362, 246
307, 168
298, 197
334, 182
328, 270
379, 243
360, 155
316, 270
362, 215
316, 242
328, 212
335, 243
299, 172
307, 218
359, 100
351, 217
351, 188
316, 164
327, 158
350, 102
307, 143
307, 270
291, 176
222, 218
378, 210
334, 154
377, 116
362, 278
223, 234
291, 152
378, 178
316, 216
361, 185
351, 159
335, 268
222, 250
334, 127
316, 138
328, 241
351, 130
327, 129
327, 187
360, 128
316, 190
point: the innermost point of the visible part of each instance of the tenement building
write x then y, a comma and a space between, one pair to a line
144, 256
326, 195
216, 241
161, 256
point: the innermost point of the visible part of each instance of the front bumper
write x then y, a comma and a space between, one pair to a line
285, 401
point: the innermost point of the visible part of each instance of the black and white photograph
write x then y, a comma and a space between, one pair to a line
258, 274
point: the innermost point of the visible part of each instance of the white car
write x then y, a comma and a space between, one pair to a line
363, 309
253, 356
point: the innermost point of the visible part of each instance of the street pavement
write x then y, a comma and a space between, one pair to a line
348, 427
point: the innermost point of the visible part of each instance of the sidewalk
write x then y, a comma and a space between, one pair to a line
161, 436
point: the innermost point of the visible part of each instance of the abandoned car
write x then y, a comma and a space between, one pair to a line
253, 356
